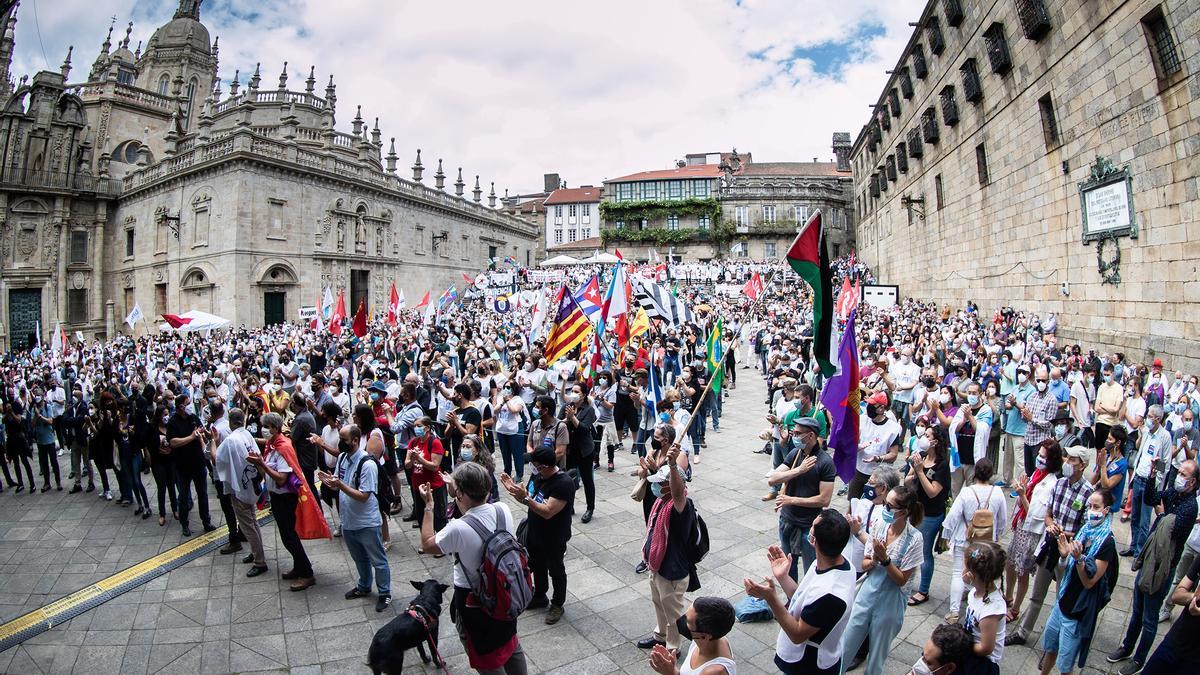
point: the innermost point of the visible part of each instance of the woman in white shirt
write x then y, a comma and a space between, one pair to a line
1029, 523
979, 495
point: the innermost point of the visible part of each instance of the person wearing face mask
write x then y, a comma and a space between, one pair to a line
980, 495
186, 437
902, 378
604, 398
1106, 405
945, 651
1111, 465
1149, 471
74, 422
1064, 514
580, 416
550, 498
705, 623
1185, 439
888, 567
356, 479
929, 475
423, 461
1176, 510
241, 478
1038, 411
44, 438
969, 431
491, 644
512, 425
1082, 405
879, 441
806, 475
1090, 578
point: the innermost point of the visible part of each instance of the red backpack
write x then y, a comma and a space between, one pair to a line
503, 584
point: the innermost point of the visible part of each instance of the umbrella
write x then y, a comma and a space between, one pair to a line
602, 258
195, 320
561, 260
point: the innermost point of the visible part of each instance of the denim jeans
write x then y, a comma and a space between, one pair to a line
1140, 515
639, 445
794, 540
929, 530
366, 547
512, 449
1143, 618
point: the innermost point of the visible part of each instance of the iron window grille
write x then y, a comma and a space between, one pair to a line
891, 168
1166, 56
874, 185
883, 184
916, 147
920, 69
902, 157
894, 102
937, 43
953, 11
949, 106
906, 86
929, 126
972, 88
1035, 20
997, 49
885, 120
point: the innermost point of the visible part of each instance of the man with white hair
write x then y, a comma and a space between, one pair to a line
1149, 466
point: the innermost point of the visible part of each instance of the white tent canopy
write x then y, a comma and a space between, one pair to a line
560, 260
200, 321
602, 258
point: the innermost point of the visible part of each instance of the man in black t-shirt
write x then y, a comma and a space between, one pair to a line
550, 497
807, 474
1179, 651
464, 419
187, 436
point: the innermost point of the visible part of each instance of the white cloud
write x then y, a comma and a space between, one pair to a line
511, 90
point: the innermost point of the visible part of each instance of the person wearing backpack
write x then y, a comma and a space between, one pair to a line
979, 513
491, 642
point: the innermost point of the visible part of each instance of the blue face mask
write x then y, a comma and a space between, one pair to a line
468, 454
656, 489
889, 516
419, 432
664, 417
533, 413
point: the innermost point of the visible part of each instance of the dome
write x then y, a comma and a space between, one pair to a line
182, 32
123, 55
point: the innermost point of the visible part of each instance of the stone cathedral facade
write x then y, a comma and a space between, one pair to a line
144, 182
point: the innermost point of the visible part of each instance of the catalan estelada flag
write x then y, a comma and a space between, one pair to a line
570, 327
810, 260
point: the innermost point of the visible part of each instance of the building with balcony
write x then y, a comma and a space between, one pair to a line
146, 183
673, 211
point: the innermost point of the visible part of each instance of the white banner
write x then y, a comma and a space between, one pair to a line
307, 313
545, 276
500, 279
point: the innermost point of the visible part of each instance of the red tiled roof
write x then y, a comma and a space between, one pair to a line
573, 196
791, 169
579, 245
694, 171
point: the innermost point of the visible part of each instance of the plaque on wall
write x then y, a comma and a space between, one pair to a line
1107, 200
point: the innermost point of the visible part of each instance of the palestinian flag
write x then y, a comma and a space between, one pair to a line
809, 258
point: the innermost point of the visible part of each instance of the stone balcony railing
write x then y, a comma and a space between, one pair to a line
245, 142
270, 97
128, 94
57, 181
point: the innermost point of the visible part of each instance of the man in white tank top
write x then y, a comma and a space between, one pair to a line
705, 623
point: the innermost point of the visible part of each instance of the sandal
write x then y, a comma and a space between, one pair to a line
913, 601
161, 521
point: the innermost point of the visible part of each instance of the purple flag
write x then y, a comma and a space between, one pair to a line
841, 398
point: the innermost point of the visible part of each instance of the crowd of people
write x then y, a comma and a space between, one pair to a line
982, 437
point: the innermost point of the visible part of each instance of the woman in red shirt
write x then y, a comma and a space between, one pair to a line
424, 459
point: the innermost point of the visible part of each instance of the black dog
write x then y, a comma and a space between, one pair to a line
414, 627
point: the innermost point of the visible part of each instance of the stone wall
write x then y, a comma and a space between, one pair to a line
1016, 240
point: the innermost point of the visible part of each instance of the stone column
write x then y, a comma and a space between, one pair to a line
110, 326
98, 265
61, 272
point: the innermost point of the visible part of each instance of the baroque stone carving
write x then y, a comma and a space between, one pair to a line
127, 280
78, 280
360, 235
341, 235
27, 241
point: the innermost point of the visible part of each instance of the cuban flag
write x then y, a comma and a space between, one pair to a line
589, 298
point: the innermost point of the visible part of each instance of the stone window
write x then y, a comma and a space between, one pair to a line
801, 212
902, 157
741, 215
929, 125
949, 106
164, 84
620, 223
885, 120
769, 214
587, 213
420, 240
675, 189
129, 243
894, 102
906, 85
1035, 20
702, 222
920, 69
882, 177
672, 222
571, 235
1049, 122
937, 43
76, 305
916, 147
79, 246
972, 89
981, 164
190, 104
997, 49
953, 11
891, 168
769, 249
937, 191
558, 236
275, 217
1162, 44
700, 188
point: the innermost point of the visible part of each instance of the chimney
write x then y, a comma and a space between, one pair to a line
550, 182
841, 150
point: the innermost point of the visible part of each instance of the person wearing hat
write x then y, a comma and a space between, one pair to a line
550, 497
878, 441
806, 476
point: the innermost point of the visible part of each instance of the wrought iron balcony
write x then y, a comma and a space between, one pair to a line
920, 69
916, 147
1035, 20
906, 85
953, 11
929, 126
949, 106
902, 157
972, 88
997, 49
937, 42
891, 168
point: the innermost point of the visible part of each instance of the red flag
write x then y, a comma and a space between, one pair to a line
310, 524
317, 324
393, 306
753, 287
844, 300
176, 321
424, 301
468, 279
339, 315
617, 252
359, 324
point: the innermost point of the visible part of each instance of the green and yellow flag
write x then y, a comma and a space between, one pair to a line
716, 355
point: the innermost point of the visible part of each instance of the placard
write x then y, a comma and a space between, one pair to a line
1106, 198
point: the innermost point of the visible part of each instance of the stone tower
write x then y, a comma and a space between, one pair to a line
841, 150
180, 61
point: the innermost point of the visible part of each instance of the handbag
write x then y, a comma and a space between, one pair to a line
639, 490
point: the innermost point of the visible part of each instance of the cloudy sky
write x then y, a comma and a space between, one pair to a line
512, 90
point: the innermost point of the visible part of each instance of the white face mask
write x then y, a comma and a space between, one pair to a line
944, 399
922, 668
1021, 377
1180, 483
1068, 470
1041, 386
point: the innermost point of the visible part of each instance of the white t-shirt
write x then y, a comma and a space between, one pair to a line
875, 440
276, 461
908, 558
1084, 401
1134, 407
981, 608
905, 376
459, 537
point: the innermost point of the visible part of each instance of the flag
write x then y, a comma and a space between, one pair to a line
317, 323
326, 304
310, 523
840, 399
430, 310
176, 321
424, 301
716, 355
338, 315
753, 287
654, 259
617, 252
808, 258
570, 327
401, 302
589, 299
359, 324
79, 336
448, 298
469, 280
653, 391
847, 300
509, 260
538, 321
393, 305
660, 303
641, 324
135, 315
502, 304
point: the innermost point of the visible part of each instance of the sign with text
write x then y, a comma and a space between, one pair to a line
307, 313
1107, 202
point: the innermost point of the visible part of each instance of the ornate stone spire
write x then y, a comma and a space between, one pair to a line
478, 192
128, 30
358, 123
234, 84
283, 78
188, 9
137, 53
459, 184
107, 44
376, 135
392, 157
492, 197
331, 92
418, 168
256, 78
311, 83
439, 178
66, 64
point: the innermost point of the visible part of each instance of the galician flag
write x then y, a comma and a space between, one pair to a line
326, 305
135, 315
840, 399
810, 260
716, 355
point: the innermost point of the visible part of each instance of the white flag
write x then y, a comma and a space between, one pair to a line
402, 303
327, 304
39, 332
79, 336
55, 342
135, 315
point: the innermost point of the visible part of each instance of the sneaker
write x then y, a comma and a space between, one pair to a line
1127, 553
76, 488
1000, 483
107, 495
610, 467
356, 593
696, 459
1015, 639
385, 601
952, 618
337, 530
552, 617
1119, 655
641, 568
90, 488
843, 491
1164, 614
1131, 668
209, 527
187, 531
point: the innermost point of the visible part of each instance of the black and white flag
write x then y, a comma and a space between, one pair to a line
660, 303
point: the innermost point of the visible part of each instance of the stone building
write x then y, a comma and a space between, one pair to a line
146, 183
1044, 156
